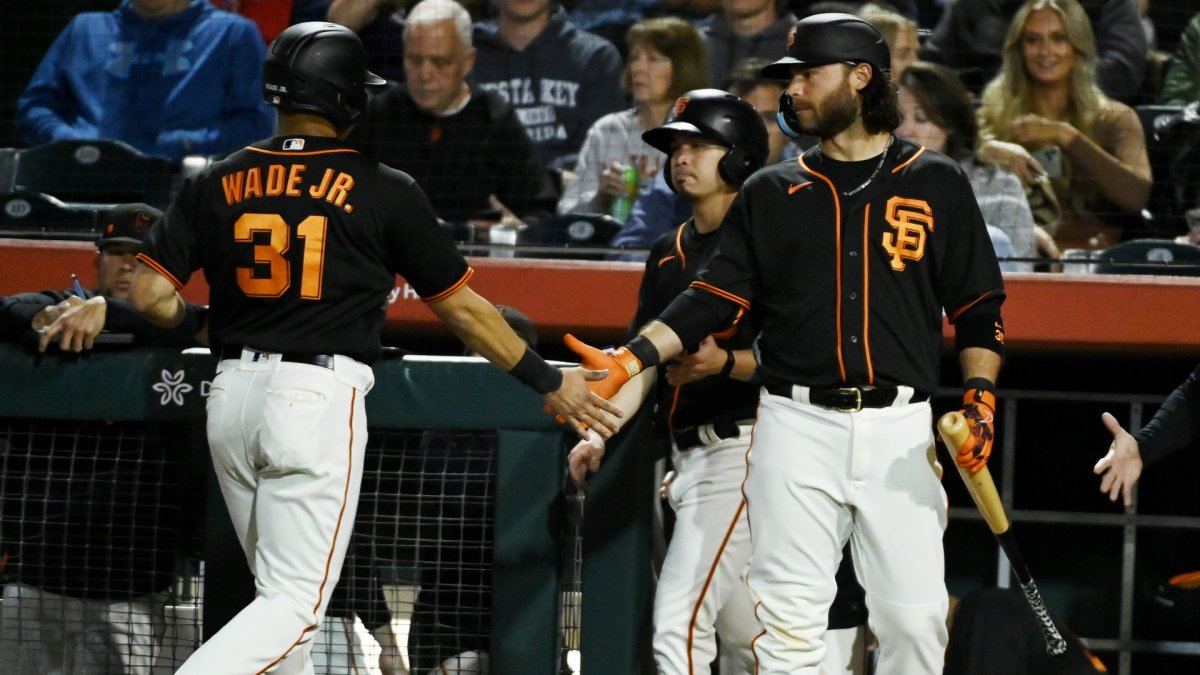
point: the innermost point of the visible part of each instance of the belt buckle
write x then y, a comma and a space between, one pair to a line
858, 403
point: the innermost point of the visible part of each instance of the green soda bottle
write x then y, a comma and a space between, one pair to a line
623, 205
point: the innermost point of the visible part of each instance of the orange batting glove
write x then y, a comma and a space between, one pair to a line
621, 364
979, 409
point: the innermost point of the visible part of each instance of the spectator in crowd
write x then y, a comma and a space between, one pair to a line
380, 25
272, 16
461, 143
1182, 83
659, 209
900, 33
747, 83
560, 79
666, 58
938, 114
744, 28
598, 14
169, 77
970, 39
91, 529
1045, 102
22, 316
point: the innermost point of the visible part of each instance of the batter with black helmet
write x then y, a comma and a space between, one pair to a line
850, 255
714, 141
301, 238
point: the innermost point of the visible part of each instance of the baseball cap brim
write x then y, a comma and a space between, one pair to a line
660, 137
117, 240
782, 69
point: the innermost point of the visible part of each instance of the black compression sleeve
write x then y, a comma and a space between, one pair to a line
1176, 424
981, 326
694, 314
536, 374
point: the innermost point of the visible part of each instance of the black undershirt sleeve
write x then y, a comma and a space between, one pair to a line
1176, 425
695, 314
981, 326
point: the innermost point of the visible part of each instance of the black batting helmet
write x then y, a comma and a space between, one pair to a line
318, 67
722, 117
829, 38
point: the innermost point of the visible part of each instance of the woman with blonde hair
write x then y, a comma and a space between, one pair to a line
1045, 118
666, 58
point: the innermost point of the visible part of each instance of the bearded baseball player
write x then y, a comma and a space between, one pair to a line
301, 238
850, 254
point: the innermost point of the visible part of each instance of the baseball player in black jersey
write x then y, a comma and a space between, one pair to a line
301, 238
714, 141
850, 254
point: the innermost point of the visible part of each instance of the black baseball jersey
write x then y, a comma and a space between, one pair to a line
851, 289
675, 259
301, 239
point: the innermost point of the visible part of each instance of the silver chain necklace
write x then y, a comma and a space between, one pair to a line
874, 173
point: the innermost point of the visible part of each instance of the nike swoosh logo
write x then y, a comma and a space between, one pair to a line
793, 188
665, 260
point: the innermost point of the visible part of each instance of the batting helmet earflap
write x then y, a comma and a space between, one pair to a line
719, 116
318, 67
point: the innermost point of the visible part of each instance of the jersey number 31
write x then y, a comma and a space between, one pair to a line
311, 231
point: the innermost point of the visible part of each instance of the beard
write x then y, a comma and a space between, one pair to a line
833, 116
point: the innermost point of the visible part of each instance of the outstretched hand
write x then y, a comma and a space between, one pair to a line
1120, 468
581, 407
620, 365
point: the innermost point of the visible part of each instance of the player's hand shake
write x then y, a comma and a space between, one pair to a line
581, 407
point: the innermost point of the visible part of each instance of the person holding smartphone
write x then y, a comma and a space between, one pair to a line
1045, 118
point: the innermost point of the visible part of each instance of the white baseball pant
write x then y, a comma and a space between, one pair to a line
700, 587
287, 442
44, 633
818, 477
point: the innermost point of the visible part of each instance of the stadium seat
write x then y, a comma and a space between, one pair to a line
35, 215
1173, 145
1149, 256
572, 230
92, 171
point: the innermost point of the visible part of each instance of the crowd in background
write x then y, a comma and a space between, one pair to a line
515, 111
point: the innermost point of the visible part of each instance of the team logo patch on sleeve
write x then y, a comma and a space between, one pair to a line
293, 144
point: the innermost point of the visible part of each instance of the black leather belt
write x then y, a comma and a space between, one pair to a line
690, 437
235, 352
848, 399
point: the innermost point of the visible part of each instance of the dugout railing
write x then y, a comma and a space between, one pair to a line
563, 584
538, 565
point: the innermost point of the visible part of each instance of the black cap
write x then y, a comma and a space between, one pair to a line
127, 224
829, 38
520, 324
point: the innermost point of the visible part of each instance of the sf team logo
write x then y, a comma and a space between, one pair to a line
680, 106
909, 218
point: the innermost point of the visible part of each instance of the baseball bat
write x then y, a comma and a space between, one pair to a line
954, 431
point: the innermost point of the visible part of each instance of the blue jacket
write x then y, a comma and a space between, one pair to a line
190, 83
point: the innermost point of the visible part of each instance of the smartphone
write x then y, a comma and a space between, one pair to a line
1050, 157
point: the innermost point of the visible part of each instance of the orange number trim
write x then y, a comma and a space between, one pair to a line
312, 276
279, 280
